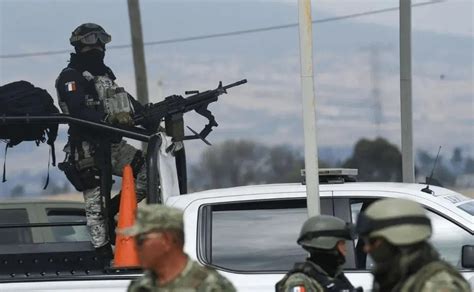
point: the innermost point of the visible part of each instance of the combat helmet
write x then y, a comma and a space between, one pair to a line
88, 34
399, 221
324, 232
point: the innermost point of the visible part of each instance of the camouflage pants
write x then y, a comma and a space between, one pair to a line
122, 154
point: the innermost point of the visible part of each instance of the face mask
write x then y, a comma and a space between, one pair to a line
92, 61
386, 273
330, 261
384, 253
92, 57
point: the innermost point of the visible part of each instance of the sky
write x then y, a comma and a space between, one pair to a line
353, 60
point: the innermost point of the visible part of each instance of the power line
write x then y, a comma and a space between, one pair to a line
226, 34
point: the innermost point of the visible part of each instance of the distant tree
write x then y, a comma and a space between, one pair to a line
235, 163
457, 161
284, 164
469, 166
53, 188
457, 156
424, 159
66, 187
376, 160
17, 191
231, 163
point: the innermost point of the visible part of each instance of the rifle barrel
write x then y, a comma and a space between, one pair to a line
161, 109
240, 82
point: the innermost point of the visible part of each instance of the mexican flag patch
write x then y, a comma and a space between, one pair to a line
70, 86
298, 289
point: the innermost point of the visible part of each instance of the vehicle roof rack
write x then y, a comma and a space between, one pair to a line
153, 140
333, 175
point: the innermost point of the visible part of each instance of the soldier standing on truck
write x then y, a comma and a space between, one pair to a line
86, 90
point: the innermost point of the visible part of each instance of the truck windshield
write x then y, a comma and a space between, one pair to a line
468, 207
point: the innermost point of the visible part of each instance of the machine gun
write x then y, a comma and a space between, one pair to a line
173, 107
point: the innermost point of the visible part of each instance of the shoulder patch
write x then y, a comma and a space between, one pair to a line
70, 86
298, 289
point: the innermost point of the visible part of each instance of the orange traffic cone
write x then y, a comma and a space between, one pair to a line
125, 251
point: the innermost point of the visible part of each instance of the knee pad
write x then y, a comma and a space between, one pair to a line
90, 178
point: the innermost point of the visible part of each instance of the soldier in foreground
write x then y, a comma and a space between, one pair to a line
324, 237
159, 236
395, 233
86, 89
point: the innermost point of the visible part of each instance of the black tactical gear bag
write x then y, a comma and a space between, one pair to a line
21, 98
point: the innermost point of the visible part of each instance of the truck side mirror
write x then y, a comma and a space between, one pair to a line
467, 258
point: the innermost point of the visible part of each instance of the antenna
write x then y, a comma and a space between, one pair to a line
427, 189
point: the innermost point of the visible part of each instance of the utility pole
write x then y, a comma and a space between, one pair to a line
138, 53
375, 92
309, 107
406, 111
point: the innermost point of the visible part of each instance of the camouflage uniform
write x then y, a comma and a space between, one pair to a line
194, 278
446, 279
122, 154
87, 90
422, 271
84, 158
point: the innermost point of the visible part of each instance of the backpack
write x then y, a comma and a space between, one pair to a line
22, 98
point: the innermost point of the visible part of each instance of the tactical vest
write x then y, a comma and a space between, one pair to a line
337, 284
113, 98
104, 95
101, 95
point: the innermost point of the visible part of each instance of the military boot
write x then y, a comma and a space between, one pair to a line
105, 254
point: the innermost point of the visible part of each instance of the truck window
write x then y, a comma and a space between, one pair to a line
14, 235
468, 207
68, 233
258, 236
448, 239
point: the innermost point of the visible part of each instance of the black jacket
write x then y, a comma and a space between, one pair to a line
73, 89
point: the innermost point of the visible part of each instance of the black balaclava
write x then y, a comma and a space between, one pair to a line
386, 273
329, 260
91, 60
395, 264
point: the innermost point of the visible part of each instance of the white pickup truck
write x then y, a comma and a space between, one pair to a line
247, 233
